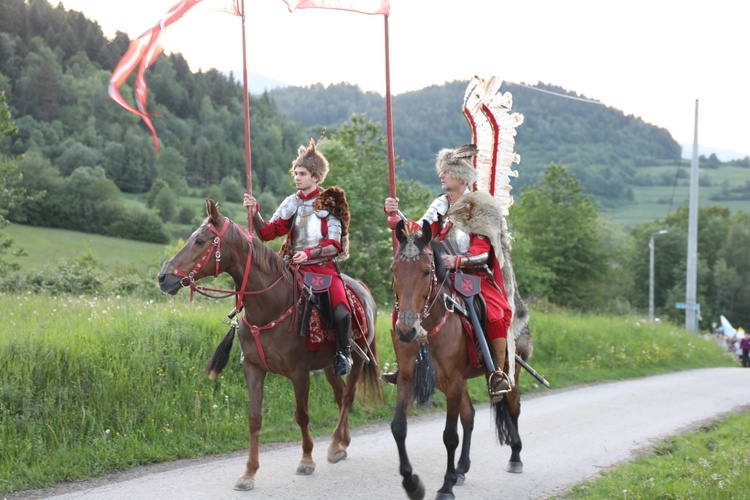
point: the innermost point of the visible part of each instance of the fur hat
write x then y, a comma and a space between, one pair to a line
310, 158
458, 162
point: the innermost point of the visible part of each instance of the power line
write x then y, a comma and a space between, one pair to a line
590, 101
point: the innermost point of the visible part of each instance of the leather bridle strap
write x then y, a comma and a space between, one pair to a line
255, 330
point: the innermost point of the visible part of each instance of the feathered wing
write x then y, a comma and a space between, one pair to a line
493, 130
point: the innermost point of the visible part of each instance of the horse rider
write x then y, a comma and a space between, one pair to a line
473, 253
311, 219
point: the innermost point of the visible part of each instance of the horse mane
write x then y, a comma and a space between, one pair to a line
269, 261
265, 259
440, 271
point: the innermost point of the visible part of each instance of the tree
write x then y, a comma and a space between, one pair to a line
10, 190
166, 204
359, 163
560, 228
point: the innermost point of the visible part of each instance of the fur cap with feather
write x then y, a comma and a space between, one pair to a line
458, 162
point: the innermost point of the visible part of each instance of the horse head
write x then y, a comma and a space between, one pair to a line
414, 271
191, 262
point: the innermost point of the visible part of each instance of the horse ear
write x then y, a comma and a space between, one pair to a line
211, 209
426, 232
400, 226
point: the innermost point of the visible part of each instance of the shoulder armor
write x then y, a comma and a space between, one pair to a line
287, 209
439, 206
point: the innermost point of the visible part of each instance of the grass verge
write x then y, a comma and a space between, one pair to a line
97, 385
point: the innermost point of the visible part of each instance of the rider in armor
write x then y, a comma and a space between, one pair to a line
472, 252
315, 222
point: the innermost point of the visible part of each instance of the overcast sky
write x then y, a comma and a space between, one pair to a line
648, 58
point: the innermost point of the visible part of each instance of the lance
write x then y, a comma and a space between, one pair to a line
389, 132
248, 163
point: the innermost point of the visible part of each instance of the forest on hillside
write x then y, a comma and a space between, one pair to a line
71, 158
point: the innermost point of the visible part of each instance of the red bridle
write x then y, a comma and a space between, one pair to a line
188, 280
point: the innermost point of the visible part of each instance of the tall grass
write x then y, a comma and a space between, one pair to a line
95, 385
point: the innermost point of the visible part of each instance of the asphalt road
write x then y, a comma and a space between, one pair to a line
568, 436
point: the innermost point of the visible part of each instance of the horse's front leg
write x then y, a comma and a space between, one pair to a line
413, 485
454, 390
254, 378
301, 382
467, 422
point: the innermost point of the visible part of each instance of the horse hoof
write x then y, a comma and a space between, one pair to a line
305, 468
244, 484
445, 496
337, 456
414, 487
515, 467
460, 478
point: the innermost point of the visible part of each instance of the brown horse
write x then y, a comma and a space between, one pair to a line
268, 334
431, 349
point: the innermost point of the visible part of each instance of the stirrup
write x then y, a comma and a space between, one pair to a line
498, 385
391, 377
342, 364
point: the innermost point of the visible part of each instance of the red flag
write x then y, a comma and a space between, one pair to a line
144, 50
362, 6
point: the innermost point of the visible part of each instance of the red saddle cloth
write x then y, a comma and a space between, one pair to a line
318, 334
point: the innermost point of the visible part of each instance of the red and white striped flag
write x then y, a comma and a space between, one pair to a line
362, 6
145, 49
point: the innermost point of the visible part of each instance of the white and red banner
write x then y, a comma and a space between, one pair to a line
145, 49
362, 6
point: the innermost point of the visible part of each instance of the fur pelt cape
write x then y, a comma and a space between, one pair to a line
479, 213
334, 201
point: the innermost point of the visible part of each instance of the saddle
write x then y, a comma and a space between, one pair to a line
317, 319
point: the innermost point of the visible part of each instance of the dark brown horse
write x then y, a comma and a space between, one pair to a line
431, 349
269, 331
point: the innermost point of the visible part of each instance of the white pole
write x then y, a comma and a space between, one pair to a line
691, 310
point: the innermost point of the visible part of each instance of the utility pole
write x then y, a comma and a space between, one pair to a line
691, 309
651, 274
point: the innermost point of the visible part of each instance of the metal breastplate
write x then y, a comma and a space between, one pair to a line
458, 240
307, 226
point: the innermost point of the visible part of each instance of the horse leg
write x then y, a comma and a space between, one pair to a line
301, 384
254, 378
453, 398
344, 395
413, 485
514, 405
467, 422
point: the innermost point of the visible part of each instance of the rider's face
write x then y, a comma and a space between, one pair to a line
303, 180
448, 182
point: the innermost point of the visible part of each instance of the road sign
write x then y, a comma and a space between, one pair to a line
680, 305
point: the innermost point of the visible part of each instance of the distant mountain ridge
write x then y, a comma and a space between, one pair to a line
722, 154
600, 144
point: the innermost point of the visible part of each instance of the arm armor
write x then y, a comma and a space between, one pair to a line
474, 260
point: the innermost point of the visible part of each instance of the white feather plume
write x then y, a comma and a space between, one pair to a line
493, 130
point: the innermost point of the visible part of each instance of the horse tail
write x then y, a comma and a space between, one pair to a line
507, 432
221, 355
423, 379
371, 384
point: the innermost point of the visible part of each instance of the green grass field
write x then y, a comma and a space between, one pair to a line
46, 246
657, 202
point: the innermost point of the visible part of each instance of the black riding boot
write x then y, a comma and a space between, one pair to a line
342, 326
